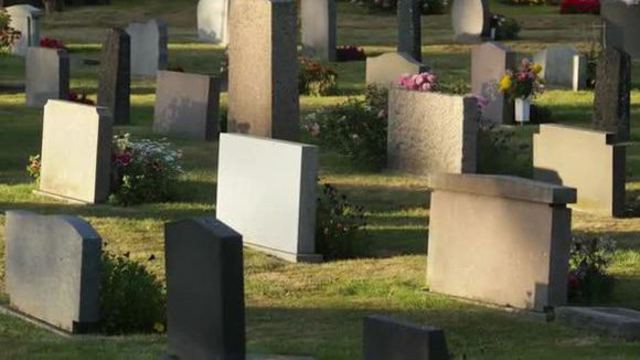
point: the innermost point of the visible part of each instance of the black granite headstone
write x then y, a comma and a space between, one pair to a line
612, 104
115, 75
409, 28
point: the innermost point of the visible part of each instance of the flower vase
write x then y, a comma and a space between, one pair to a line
523, 110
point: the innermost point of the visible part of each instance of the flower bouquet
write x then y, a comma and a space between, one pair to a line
522, 85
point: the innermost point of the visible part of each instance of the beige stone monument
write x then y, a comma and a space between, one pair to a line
76, 152
386, 69
587, 160
499, 239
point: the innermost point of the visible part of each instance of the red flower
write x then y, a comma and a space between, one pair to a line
52, 43
580, 7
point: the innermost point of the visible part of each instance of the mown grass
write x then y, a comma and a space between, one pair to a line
300, 308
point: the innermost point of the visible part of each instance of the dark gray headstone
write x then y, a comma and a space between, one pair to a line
612, 104
386, 339
622, 25
489, 63
410, 28
47, 75
205, 290
53, 269
318, 25
615, 322
115, 75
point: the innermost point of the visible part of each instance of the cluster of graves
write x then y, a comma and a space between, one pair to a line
480, 225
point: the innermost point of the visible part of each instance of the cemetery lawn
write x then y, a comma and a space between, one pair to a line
306, 309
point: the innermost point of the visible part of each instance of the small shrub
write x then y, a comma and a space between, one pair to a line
8, 35
316, 79
506, 28
132, 300
340, 225
589, 282
350, 53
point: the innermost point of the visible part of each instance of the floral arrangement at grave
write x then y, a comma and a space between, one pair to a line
350, 53
52, 44
504, 28
81, 99
522, 85
316, 79
589, 283
426, 81
33, 167
580, 7
8, 35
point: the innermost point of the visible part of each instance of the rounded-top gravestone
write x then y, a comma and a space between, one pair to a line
212, 21
470, 19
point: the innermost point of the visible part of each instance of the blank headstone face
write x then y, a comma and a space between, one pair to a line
53, 266
386, 338
212, 21
263, 69
76, 151
612, 103
205, 290
557, 65
26, 19
267, 192
148, 47
386, 69
432, 132
47, 75
410, 28
470, 19
318, 22
489, 63
115, 75
625, 19
186, 105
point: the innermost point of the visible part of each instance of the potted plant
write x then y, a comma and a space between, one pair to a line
521, 86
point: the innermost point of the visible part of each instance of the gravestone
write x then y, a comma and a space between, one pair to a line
263, 94
579, 72
114, 89
386, 338
587, 160
76, 152
53, 266
557, 65
205, 290
318, 22
610, 321
46, 75
622, 25
410, 28
470, 19
612, 102
27, 20
483, 225
212, 21
149, 51
386, 69
489, 63
274, 211
186, 105
431, 132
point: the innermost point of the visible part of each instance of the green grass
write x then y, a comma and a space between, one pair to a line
312, 309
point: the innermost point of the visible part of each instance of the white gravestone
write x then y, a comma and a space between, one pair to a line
148, 47
212, 21
26, 19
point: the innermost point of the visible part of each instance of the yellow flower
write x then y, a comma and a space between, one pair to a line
537, 68
505, 83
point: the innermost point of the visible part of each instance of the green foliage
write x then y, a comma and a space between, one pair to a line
316, 79
33, 167
356, 128
589, 282
8, 35
340, 228
454, 86
506, 28
132, 300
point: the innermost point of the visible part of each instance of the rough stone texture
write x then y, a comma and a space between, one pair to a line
46, 75
625, 21
318, 25
587, 160
53, 266
386, 338
186, 105
410, 28
615, 322
483, 226
76, 151
114, 90
205, 290
612, 103
579, 72
274, 210
263, 69
27, 20
386, 69
470, 19
557, 65
149, 51
212, 21
432, 132
489, 63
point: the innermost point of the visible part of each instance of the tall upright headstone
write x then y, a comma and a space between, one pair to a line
263, 69
622, 25
27, 20
205, 290
114, 89
213, 18
557, 65
489, 63
318, 22
410, 28
149, 52
53, 266
470, 19
612, 103
46, 75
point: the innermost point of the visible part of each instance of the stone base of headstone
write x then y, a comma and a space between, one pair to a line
60, 197
615, 322
6, 310
304, 258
